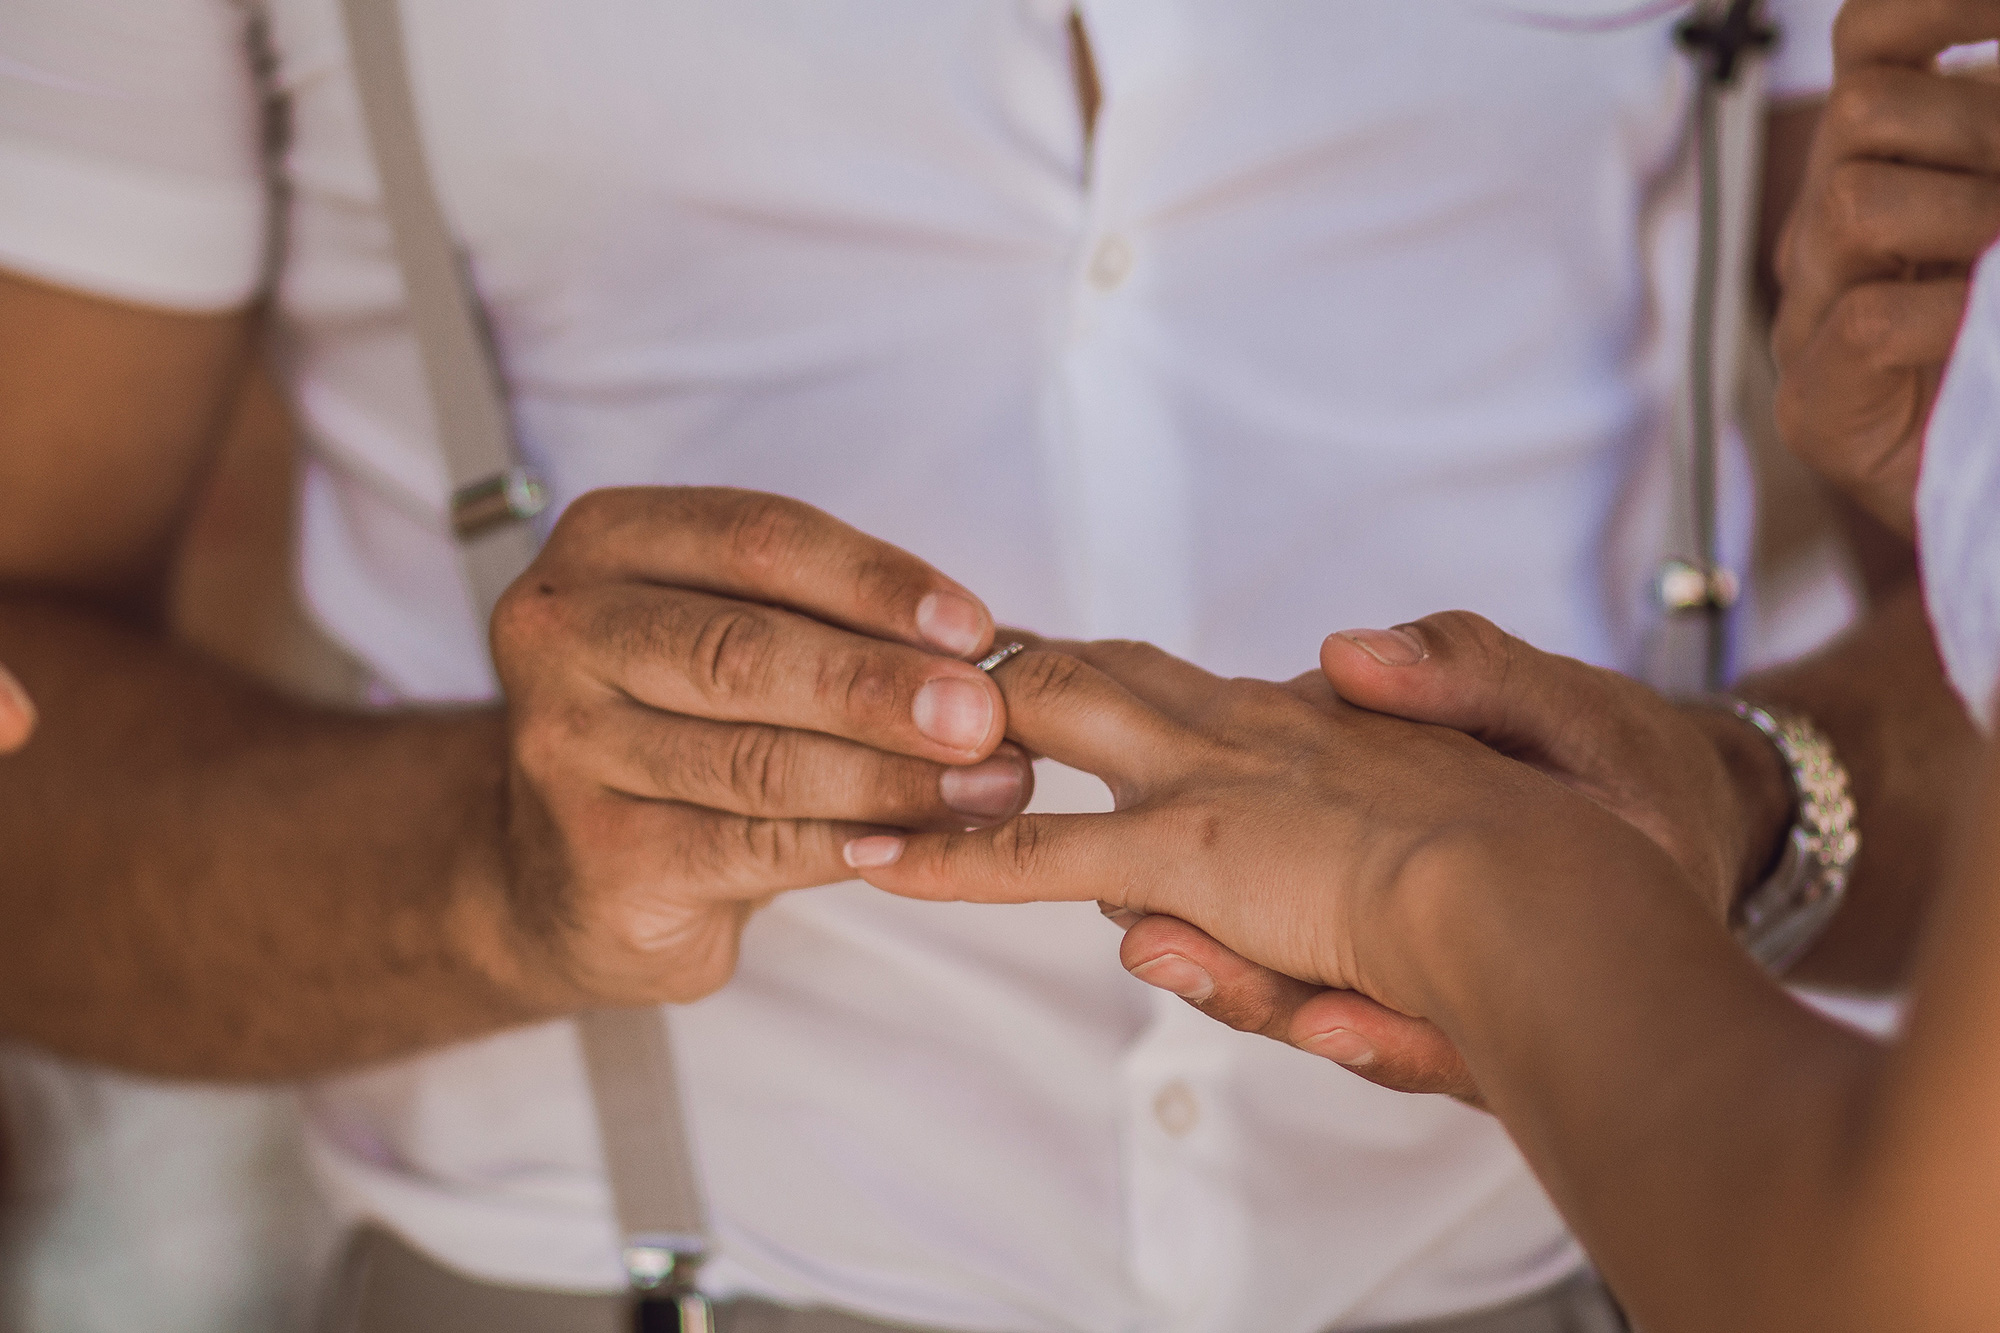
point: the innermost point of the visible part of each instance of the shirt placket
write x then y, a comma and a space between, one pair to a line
1181, 1152
1127, 503
1129, 519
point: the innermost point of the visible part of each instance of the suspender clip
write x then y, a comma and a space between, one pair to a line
513, 496
1724, 42
662, 1271
688, 1312
1683, 587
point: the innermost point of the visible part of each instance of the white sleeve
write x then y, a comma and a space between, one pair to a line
1958, 503
1802, 66
130, 156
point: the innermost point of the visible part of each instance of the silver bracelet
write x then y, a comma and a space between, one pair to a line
1785, 915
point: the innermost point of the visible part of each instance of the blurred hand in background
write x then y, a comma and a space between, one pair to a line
1901, 198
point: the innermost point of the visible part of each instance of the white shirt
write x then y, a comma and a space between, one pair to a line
1356, 312
1958, 503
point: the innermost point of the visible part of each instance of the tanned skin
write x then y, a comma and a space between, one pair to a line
208, 879
1731, 1160
205, 878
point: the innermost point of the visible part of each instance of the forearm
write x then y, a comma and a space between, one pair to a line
1881, 696
205, 879
1692, 1122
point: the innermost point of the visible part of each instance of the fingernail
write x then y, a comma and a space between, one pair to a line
1171, 972
867, 853
1342, 1046
1390, 647
954, 712
1122, 917
951, 623
989, 790
15, 700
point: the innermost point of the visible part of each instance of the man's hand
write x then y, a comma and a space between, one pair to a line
17, 713
709, 692
1901, 198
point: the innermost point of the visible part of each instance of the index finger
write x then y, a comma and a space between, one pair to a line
1029, 859
768, 548
1910, 32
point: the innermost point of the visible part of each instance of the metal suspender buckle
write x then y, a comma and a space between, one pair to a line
513, 496
662, 1271
1724, 41
1685, 588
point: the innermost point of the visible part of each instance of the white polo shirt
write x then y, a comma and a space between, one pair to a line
1355, 312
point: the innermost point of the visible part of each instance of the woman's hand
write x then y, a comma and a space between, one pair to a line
17, 713
1707, 788
1297, 830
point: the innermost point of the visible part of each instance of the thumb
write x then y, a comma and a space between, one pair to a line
1462, 671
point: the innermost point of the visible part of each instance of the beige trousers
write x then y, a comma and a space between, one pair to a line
387, 1287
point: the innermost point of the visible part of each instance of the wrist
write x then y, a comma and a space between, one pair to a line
484, 921
1487, 920
1424, 945
1762, 798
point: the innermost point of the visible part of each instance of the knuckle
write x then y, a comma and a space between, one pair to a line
1040, 675
765, 534
544, 738
884, 583
736, 851
757, 767
1863, 220
1018, 848
589, 519
1853, 106
864, 685
761, 846
733, 653
588, 512
1135, 650
1134, 656
1859, 324
529, 613
1484, 644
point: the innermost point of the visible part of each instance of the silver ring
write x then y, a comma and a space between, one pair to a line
1000, 655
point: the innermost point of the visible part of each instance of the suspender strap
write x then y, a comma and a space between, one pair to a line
491, 493
639, 1119
627, 1051
1727, 40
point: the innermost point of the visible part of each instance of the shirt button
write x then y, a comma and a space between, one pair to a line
1110, 263
1177, 1109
